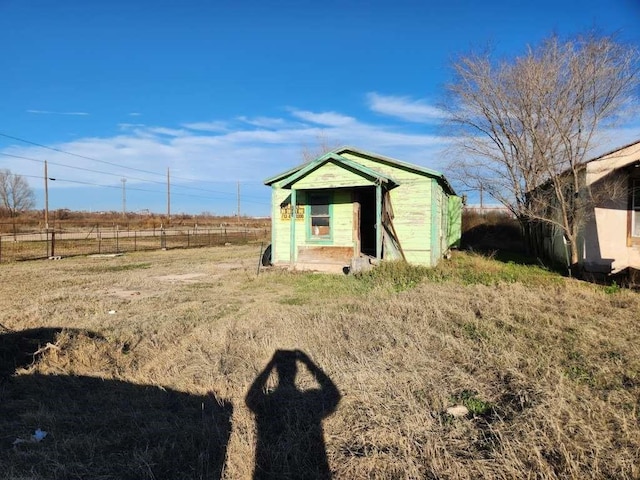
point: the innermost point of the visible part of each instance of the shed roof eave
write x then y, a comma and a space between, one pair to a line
345, 163
399, 163
277, 180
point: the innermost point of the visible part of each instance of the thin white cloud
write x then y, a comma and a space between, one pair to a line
169, 132
404, 108
135, 114
48, 112
267, 122
330, 119
127, 126
216, 151
246, 150
207, 126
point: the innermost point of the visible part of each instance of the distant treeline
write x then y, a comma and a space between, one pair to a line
34, 220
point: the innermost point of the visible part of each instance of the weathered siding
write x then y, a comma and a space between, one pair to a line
281, 229
411, 203
342, 223
331, 175
455, 221
426, 219
342, 218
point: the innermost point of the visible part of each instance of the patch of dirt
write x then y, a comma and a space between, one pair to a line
181, 277
130, 294
228, 266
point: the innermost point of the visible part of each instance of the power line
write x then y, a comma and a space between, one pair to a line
75, 154
80, 182
12, 137
73, 167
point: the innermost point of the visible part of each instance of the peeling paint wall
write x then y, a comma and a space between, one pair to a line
424, 217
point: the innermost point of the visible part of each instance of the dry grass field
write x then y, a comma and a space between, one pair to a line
159, 365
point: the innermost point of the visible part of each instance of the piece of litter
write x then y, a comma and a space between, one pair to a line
458, 411
38, 435
111, 312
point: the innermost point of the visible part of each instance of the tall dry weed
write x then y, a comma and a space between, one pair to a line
549, 366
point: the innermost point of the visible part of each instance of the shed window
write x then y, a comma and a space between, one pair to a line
320, 216
635, 207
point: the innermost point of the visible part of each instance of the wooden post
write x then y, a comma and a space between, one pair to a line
238, 198
168, 198
292, 240
46, 198
435, 211
379, 222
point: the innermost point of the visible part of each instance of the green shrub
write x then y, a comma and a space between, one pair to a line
477, 407
612, 289
397, 274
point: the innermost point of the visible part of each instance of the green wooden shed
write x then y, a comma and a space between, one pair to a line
349, 205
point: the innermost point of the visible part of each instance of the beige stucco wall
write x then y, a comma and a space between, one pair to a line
605, 234
606, 242
598, 169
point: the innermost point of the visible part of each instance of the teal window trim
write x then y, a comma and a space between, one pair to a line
315, 239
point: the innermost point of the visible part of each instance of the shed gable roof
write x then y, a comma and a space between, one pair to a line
340, 161
336, 155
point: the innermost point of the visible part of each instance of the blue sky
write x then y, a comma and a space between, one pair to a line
226, 92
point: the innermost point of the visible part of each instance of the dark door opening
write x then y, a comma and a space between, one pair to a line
367, 199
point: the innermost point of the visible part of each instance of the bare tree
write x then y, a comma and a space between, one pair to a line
16, 196
526, 126
322, 145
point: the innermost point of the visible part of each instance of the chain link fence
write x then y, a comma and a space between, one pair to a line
32, 246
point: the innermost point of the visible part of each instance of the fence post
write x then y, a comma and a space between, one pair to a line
0, 248
188, 242
53, 243
135, 241
117, 240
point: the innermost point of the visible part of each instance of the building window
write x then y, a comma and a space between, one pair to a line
319, 216
635, 207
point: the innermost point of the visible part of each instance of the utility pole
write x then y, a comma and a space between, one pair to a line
238, 195
168, 198
46, 197
124, 198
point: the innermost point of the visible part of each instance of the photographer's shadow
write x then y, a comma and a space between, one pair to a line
290, 441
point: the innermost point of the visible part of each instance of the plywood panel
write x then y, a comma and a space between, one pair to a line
325, 254
343, 218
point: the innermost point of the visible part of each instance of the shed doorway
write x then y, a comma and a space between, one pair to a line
366, 198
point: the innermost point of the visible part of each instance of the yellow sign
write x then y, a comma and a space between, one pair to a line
285, 212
